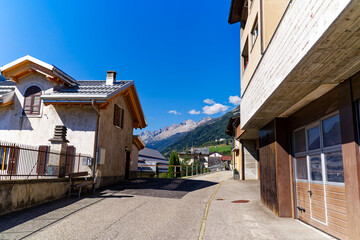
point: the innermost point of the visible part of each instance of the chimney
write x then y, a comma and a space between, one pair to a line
110, 77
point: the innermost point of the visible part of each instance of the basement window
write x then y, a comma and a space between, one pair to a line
118, 116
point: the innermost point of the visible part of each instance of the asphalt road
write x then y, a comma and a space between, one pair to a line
196, 208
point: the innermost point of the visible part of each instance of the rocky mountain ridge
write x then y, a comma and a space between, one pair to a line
169, 131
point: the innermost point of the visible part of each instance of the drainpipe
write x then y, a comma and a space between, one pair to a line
96, 142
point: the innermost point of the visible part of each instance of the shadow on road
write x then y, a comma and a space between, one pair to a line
23, 223
161, 187
38, 217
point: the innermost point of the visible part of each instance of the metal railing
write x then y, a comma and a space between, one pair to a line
175, 171
19, 161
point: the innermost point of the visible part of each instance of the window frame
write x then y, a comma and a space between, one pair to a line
322, 151
245, 56
31, 114
255, 26
118, 118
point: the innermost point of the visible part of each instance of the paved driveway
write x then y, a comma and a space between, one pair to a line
196, 208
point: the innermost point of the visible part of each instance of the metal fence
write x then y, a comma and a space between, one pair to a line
19, 161
178, 171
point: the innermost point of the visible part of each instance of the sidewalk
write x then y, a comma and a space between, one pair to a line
251, 220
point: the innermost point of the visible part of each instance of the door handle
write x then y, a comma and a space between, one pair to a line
310, 192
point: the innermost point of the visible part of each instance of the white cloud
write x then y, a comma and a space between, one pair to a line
194, 112
235, 100
209, 101
213, 109
174, 112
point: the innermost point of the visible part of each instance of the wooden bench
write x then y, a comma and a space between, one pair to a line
80, 185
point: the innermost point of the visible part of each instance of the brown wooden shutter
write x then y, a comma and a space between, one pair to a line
122, 118
13, 156
70, 151
32, 100
116, 115
41, 162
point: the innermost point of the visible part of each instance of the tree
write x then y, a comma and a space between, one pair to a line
172, 162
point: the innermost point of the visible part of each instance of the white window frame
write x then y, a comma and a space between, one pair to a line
321, 151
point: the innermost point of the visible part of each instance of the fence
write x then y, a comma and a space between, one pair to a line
18, 161
178, 172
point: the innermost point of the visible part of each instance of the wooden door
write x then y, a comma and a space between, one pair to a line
316, 188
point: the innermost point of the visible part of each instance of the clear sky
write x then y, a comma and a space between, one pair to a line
179, 53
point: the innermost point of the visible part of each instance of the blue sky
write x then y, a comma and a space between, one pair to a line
179, 53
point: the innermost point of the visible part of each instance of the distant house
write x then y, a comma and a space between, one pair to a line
149, 158
195, 154
244, 153
215, 158
99, 117
226, 159
137, 146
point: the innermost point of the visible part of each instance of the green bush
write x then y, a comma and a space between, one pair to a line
163, 175
172, 162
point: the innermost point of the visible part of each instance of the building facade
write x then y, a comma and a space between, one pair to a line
193, 155
99, 115
245, 157
300, 103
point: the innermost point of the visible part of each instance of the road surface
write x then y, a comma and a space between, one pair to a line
196, 208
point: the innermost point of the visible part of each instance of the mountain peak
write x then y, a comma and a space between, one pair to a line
168, 131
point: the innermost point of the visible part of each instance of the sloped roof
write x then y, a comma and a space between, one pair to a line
24, 65
87, 90
68, 90
148, 152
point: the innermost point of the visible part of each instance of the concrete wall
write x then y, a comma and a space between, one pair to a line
19, 194
39, 129
298, 32
254, 51
250, 159
114, 140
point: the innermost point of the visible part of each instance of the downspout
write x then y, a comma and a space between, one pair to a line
96, 141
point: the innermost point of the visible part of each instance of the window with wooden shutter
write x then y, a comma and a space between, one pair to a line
118, 116
41, 162
70, 155
13, 157
32, 101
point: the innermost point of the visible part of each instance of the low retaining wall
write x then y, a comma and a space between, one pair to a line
19, 194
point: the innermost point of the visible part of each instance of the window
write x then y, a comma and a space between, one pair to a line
334, 167
315, 168
32, 101
4, 158
331, 131
8, 159
301, 168
300, 145
255, 32
322, 157
313, 138
118, 116
245, 55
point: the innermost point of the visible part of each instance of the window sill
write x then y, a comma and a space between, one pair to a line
118, 127
31, 116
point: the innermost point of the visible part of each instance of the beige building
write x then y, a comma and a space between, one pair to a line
300, 91
99, 116
244, 152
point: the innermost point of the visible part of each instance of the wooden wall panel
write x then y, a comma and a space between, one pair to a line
351, 159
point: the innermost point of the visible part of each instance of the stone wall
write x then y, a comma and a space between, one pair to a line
20, 194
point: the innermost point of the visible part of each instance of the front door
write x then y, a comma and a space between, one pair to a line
309, 166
